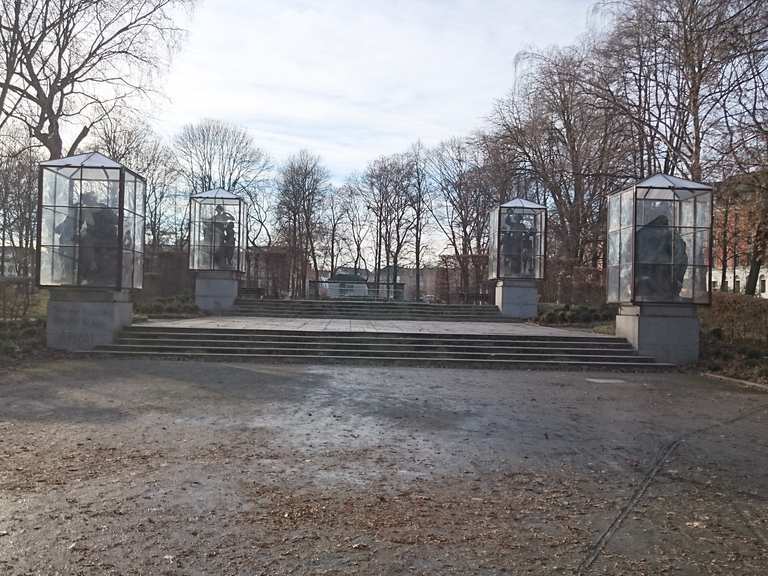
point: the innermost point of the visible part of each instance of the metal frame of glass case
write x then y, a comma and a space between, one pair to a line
90, 224
213, 246
513, 226
659, 245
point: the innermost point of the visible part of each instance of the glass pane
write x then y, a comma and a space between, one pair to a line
129, 199
625, 283
614, 212
686, 285
139, 234
58, 266
627, 247
138, 271
682, 247
654, 282
627, 208
493, 231
655, 213
704, 210
57, 189
614, 248
129, 239
654, 245
98, 226
701, 284
128, 269
685, 212
98, 265
613, 284
140, 192
104, 174
701, 248
99, 193
59, 226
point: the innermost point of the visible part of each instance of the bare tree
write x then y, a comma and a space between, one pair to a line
302, 185
216, 154
69, 63
335, 240
132, 142
358, 223
388, 196
460, 209
570, 144
18, 207
420, 198
668, 66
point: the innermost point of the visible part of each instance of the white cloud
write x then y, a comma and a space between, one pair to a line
351, 80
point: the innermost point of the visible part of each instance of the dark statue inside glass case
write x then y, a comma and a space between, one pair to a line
86, 202
516, 241
659, 242
217, 232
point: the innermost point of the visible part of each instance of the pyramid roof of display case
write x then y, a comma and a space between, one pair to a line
521, 203
217, 193
665, 181
86, 160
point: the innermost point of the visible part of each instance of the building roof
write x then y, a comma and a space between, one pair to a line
218, 194
349, 278
522, 203
86, 160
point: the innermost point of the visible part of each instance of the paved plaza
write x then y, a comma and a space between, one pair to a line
158, 467
346, 325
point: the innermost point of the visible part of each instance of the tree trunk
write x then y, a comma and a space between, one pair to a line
754, 273
724, 251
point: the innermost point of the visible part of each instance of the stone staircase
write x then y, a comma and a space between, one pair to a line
380, 348
248, 305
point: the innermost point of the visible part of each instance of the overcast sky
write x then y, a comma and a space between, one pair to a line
354, 79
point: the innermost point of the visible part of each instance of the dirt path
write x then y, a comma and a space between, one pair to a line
133, 467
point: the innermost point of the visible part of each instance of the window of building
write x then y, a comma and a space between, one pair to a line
714, 284
762, 284
737, 285
725, 285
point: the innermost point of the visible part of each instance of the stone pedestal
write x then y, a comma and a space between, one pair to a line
517, 298
83, 318
216, 291
669, 332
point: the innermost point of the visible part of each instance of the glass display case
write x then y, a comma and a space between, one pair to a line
516, 243
90, 224
659, 242
217, 232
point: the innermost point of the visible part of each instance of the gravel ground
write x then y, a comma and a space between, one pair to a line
147, 467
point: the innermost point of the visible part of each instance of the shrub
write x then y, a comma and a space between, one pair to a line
736, 318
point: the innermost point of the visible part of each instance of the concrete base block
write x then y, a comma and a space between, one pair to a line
216, 291
668, 333
517, 298
81, 319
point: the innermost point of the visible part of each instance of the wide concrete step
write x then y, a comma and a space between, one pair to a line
424, 343
493, 363
266, 350
194, 331
381, 348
